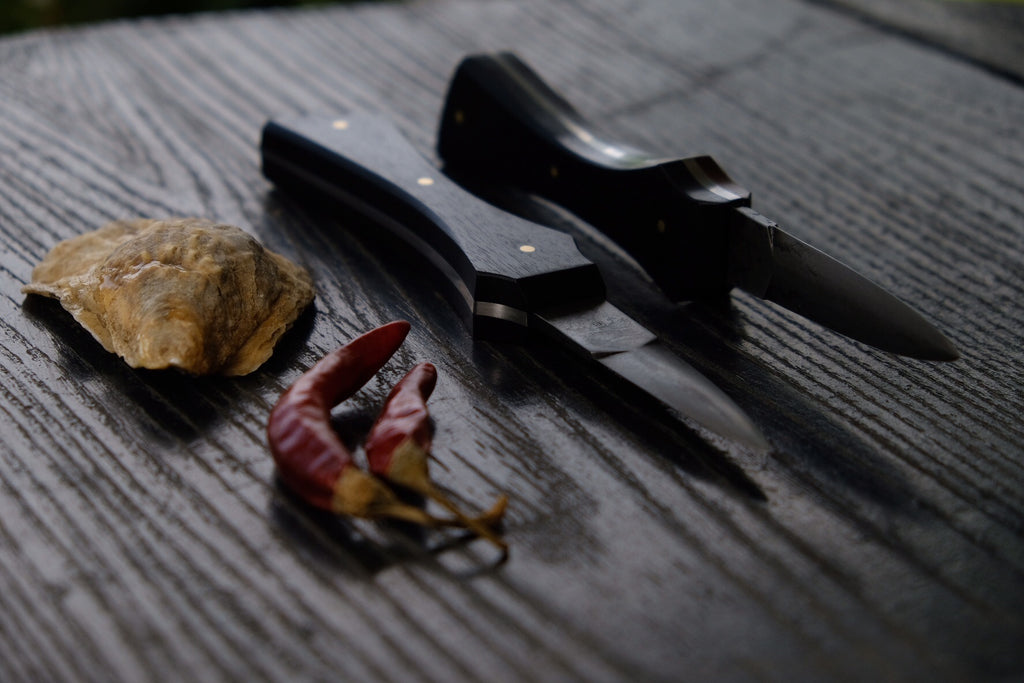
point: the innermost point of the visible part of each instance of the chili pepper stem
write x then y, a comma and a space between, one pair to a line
493, 517
478, 525
359, 494
408, 468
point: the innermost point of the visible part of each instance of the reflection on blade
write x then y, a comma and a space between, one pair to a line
783, 269
631, 353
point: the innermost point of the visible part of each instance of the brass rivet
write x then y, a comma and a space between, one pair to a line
425, 181
554, 171
340, 124
459, 117
661, 226
527, 248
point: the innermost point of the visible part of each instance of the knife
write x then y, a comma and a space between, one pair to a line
685, 221
514, 279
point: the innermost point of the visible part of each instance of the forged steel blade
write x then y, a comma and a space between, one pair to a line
685, 221
772, 264
511, 279
633, 354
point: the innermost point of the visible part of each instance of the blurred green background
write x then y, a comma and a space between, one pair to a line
20, 15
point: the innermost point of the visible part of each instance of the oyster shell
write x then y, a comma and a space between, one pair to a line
186, 293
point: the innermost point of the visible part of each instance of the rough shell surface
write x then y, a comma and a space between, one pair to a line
187, 293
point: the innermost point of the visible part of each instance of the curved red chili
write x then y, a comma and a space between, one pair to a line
311, 459
398, 448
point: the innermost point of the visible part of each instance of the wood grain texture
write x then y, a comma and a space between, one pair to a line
987, 32
143, 535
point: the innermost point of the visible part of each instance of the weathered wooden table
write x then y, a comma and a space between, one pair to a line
143, 534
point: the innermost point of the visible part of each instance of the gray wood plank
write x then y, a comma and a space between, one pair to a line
143, 535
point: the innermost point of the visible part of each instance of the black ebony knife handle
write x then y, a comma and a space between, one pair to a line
502, 267
503, 123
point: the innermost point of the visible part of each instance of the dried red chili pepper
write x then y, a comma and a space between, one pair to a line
311, 459
398, 448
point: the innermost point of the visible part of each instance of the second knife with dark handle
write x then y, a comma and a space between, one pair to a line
514, 278
503, 122
683, 220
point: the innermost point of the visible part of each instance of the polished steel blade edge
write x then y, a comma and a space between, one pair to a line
631, 353
772, 264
